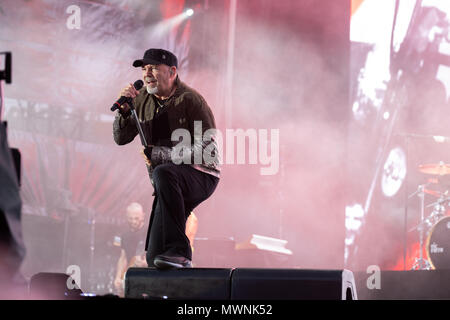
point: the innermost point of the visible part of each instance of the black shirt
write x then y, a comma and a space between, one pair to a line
161, 134
133, 243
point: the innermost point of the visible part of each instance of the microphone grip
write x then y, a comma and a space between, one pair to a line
138, 84
119, 102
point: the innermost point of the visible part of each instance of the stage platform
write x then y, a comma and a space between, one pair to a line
405, 285
239, 284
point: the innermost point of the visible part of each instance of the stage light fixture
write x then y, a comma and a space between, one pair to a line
189, 12
394, 172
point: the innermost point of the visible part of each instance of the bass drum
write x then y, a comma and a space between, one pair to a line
438, 244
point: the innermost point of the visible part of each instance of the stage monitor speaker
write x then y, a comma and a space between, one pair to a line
178, 284
292, 284
405, 285
52, 286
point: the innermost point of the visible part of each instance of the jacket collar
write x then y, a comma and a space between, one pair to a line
180, 87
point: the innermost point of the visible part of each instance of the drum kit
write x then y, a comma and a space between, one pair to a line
434, 228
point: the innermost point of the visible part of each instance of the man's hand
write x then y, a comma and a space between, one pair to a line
129, 91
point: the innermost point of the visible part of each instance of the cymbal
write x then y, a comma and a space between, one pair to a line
436, 169
437, 194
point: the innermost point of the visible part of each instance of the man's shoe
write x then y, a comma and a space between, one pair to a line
171, 262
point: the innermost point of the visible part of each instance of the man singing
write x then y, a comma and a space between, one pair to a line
164, 105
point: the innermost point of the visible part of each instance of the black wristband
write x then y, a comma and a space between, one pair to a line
148, 152
125, 114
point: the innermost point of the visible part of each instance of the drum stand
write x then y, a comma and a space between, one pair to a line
421, 263
91, 222
438, 210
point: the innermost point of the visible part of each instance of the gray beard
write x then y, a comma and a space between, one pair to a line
151, 90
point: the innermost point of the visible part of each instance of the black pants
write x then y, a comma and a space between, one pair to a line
178, 190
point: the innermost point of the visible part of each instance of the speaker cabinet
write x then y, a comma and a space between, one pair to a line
405, 285
175, 284
52, 286
239, 284
292, 284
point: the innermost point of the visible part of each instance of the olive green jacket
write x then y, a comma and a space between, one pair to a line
186, 110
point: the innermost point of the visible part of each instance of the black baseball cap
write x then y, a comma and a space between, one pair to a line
157, 56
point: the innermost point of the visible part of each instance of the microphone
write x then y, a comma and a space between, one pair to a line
137, 85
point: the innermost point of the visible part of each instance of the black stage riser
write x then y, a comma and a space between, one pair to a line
195, 283
52, 286
404, 285
239, 284
292, 284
